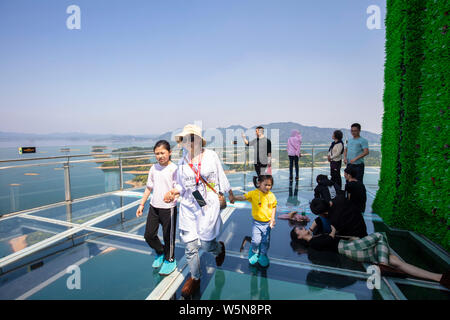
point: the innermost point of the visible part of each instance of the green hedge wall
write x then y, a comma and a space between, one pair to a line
384, 202
414, 183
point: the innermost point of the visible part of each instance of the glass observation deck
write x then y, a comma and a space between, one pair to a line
101, 235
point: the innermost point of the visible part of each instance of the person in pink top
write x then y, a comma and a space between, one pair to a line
293, 150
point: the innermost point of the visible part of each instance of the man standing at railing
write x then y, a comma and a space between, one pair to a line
263, 152
357, 148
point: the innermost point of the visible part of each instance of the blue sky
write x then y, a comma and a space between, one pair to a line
145, 67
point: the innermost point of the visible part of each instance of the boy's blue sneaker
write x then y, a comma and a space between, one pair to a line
263, 260
253, 259
168, 267
158, 261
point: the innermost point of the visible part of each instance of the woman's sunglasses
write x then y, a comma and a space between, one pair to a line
189, 138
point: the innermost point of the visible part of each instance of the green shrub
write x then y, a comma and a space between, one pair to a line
414, 188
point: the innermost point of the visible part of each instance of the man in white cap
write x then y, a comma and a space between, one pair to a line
200, 177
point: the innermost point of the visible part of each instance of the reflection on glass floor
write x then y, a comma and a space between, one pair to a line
237, 280
18, 233
85, 210
110, 267
228, 285
421, 293
307, 178
105, 239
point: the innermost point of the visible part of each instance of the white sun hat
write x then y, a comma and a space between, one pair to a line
190, 129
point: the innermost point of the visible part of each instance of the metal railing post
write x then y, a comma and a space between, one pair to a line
121, 173
312, 166
67, 187
122, 213
69, 211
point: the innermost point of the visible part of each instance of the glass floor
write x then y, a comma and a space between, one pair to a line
95, 249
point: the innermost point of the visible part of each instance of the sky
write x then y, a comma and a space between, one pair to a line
148, 67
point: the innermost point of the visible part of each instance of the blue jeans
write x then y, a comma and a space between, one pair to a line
326, 225
260, 237
192, 258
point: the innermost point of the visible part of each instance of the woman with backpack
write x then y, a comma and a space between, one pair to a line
326, 189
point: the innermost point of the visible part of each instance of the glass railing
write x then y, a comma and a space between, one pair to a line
29, 183
34, 182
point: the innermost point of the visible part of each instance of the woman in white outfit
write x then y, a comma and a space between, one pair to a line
199, 223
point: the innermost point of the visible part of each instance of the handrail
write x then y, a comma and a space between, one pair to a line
119, 154
76, 161
150, 151
77, 155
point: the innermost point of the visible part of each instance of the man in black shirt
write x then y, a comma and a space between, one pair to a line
345, 217
263, 152
355, 191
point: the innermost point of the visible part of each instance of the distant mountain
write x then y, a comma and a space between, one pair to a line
73, 136
313, 135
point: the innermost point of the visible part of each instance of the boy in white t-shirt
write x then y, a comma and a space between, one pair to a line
161, 179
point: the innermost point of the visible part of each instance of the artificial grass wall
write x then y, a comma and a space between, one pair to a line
414, 183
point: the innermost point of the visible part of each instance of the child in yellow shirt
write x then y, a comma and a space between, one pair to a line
264, 205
